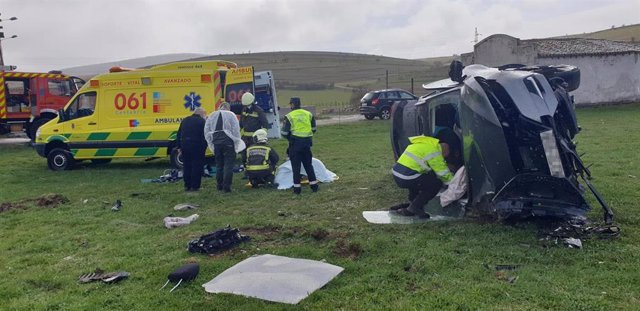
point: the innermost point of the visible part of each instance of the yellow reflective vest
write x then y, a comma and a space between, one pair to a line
300, 121
424, 155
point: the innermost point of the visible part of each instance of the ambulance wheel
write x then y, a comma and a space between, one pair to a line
370, 116
176, 159
60, 160
100, 161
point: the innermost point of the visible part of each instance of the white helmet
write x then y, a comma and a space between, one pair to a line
260, 136
247, 99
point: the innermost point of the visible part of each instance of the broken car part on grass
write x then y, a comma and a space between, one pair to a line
217, 241
517, 126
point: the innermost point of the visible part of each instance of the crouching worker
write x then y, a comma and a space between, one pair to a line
422, 169
261, 160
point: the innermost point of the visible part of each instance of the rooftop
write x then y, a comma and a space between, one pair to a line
579, 46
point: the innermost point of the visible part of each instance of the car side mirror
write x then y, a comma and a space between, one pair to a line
62, 116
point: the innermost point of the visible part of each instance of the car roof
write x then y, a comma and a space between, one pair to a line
389, 90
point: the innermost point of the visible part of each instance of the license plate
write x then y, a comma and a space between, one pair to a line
364, 104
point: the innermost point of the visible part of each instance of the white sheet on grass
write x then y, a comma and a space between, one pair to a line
274, 278
284, 174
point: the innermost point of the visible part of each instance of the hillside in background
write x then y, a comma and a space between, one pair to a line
321, 70
624, 33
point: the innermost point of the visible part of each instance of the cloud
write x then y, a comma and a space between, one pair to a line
63, 33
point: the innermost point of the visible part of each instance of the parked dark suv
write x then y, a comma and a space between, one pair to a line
379, 103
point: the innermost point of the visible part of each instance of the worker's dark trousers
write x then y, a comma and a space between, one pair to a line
193, 165
261, 176
225, 155
300, 155
421, 190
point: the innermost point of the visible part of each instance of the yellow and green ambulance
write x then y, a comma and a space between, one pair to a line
135, 112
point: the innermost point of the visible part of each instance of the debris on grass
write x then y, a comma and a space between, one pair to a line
101, 275
217, 241
571, 234
174, 222
117, 206
185, 206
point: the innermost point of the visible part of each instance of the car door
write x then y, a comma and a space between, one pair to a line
392, 97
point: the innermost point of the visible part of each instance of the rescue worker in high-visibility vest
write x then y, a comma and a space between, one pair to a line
261, 160
251, 120
299, 127
422, 169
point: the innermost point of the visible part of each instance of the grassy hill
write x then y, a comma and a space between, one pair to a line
624, 33
321, 70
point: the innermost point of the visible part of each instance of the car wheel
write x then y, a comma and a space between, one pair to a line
100, 161
369, 116
60, 160
385, 113
176, 159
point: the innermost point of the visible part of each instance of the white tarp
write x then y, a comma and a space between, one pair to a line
274, 278
388, 217
284, 174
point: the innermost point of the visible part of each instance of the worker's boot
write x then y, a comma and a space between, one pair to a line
314, 187
297, 190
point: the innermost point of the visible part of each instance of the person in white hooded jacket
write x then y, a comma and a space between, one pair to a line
222, 132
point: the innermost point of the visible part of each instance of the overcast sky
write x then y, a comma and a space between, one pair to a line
63, 33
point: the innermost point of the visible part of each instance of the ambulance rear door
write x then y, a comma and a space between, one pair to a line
238, 81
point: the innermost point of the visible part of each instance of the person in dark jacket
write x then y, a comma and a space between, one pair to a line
299, 127
261, 160
251, 120
192, 145
222, 133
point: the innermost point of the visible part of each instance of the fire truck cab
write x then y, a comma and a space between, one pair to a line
29, 100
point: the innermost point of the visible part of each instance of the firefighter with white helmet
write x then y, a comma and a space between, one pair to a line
261, 160
252, 119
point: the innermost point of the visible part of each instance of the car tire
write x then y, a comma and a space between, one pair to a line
176, 159
369, 116
33, 128
385, 113
60, 159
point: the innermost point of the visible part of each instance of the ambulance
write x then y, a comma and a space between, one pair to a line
129, 113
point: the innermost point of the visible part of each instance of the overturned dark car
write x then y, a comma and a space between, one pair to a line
516, 124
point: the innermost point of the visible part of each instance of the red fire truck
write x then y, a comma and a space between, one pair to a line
29, 100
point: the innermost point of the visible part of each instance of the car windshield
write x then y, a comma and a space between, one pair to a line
367, 96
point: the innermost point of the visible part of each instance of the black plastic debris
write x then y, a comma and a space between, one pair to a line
217, 241
185, 273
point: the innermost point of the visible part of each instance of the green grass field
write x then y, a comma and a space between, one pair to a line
431, 266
